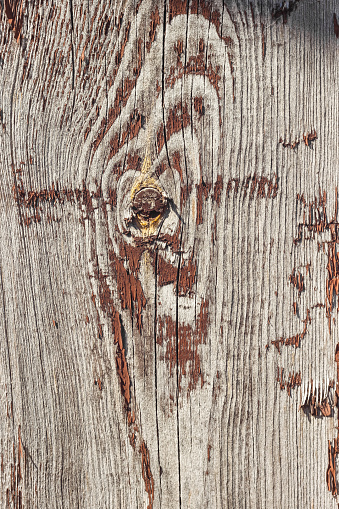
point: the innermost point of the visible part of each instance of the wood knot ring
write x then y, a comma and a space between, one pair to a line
149, 204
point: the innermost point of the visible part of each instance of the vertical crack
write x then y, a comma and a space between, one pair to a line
177, 360
155, 355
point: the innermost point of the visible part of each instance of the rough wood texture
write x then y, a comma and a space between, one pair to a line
159, 359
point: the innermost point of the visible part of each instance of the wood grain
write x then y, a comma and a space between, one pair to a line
189, 360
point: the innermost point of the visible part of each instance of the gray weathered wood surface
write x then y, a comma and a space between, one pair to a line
133, 363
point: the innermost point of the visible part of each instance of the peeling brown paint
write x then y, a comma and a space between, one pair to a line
203, 190
154, 23
209, 447
309, 137
289, 144
259, 186
218, 187
120, 54
195, 65
315, 221
167, 273
331, 469
121, 138
176, 164
107, 306
203, 8
293, 340
133, 255
187, 277
122, 95
297, 280
293, 380
199, 106
129, 289
178, 119
176, 7
14, 14
333, 450
230, 61
182, 346
147, 474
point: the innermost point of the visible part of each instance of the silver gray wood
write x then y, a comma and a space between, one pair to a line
220, 88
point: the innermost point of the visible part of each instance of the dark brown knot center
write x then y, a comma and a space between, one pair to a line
149, 203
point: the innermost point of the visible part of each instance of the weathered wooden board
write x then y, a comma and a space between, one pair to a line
160, 359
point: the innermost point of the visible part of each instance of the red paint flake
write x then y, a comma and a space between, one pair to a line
289, 144
333, 450
122, 95
187, 278
133, 162
130, 417
120, 358
167, 273
309, 137
179, 50
293, 340
132, 440
178, 119
182, 344
258, 185
205, 10
196, 65
119, 55
176, 164
112, 198
184, 193
107, 306
331, 472
209, 447
13, 11
160, 138
131, 132
218, 187
129, 289
176, 7
332, 282
147, 474
293, 380
155, 22
133, 255
203, 190
297, 280
199, 106
230, 186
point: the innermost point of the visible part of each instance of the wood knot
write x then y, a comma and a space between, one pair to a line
149, 204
